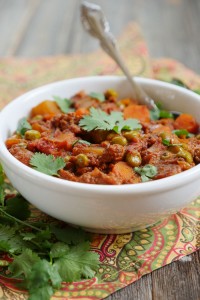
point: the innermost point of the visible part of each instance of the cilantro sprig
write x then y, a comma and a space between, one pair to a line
47, 164
183, 132
64, 104
159, 113
43, 255
100, 120
147, 172
98, 96
23, 126
166, 142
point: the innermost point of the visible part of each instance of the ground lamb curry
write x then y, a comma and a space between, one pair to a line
100, 139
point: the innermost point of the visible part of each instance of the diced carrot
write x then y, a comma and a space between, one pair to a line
136, 111
81, 112
65, 140
124, 172
125, 101
188, 122
12, 141
44, 108
95, 150
159, 128
38, 127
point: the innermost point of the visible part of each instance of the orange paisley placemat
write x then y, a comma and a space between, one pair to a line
123, 258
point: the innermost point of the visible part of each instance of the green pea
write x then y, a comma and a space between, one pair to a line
198, 136
165, 155
165, 135
120, 140
32, 135
22, 145
82, 161
134, 159
186, 155
111, 135
131, 135
174, 149
37, 117
67, 158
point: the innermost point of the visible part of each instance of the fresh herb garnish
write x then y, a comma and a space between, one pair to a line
100, 120
147, 172
47, 164
64, 104
166, 142
157, 114
197, 91
181, 132
179, 83
23, 126
43, 255
98, 96
81, 142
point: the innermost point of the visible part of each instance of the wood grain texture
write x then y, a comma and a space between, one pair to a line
32, 28
171, 27
179, 280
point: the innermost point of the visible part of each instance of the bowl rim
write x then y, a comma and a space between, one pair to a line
51, 182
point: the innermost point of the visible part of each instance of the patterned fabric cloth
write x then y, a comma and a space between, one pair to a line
123, 258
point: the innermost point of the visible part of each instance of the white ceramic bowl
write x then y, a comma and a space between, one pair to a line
101, 208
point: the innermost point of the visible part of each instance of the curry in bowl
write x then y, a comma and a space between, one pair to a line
98, 138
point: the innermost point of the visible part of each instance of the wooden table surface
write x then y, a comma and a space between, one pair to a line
32, 28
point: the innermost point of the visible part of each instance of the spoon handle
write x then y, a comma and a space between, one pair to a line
95, 23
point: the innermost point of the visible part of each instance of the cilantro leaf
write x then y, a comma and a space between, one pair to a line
2, 195
157, 114
164, 114
18, 207
78, 262
9, 239
180, 132
64, 104
100, 120
30, 247
197, 91
23, 126
58, 250
28, 236
23, 263
70, 235
5, 246
47, 164
43, 279
167, 143
147, 172
6, 232
128, 124
44, 292
2, 176
98, 96
178, 82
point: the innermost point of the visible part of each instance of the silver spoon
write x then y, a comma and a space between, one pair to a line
94, 22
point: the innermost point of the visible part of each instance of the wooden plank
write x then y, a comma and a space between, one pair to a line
48, 31
139, 290
56, 27
171, 27
179, 280
11, 14
24, 22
